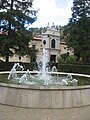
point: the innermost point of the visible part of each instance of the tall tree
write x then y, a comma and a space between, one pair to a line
15, 17
78, 36
80, 9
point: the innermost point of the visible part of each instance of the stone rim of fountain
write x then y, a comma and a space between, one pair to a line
44, 97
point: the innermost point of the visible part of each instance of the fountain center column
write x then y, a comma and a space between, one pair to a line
44, 71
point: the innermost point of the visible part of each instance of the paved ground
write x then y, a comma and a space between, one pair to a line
15, 113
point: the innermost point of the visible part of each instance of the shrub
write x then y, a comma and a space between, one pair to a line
71, 59
66, 58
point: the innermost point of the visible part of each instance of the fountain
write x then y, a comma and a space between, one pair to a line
13, 73
44, 70
44, 89
43, 77
26, 77
54, 69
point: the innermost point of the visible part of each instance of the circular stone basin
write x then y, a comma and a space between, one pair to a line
45, 96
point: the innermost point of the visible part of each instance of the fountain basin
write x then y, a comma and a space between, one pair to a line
44, 96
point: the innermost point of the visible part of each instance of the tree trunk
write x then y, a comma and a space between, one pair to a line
9, 29
7, 58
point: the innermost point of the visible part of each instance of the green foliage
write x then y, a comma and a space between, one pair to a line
38, 31
63, 32
61, 60
78, 35
80, 9
71, 59
15, 17
32, 53
22, 42
67, 59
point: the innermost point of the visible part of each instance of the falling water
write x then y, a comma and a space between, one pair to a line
44, 61
44, 69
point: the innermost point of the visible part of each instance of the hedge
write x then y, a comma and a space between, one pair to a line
7, 66
74, 68
70, 68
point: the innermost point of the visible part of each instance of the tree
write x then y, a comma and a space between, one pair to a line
32, 52
15, 17
78, 36
80, 9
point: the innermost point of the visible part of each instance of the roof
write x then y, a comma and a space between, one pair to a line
37, 38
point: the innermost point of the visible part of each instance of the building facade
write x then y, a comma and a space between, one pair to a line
50, 40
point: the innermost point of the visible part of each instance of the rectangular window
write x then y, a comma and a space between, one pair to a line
53, 58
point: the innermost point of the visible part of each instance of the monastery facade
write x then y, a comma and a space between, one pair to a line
50, 40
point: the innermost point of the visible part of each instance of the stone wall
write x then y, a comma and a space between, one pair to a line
44, 96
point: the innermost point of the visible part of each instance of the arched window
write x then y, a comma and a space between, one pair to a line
53, 43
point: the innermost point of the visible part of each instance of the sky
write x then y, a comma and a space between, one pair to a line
52, 11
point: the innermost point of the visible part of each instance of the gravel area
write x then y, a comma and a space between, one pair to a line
15, 113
